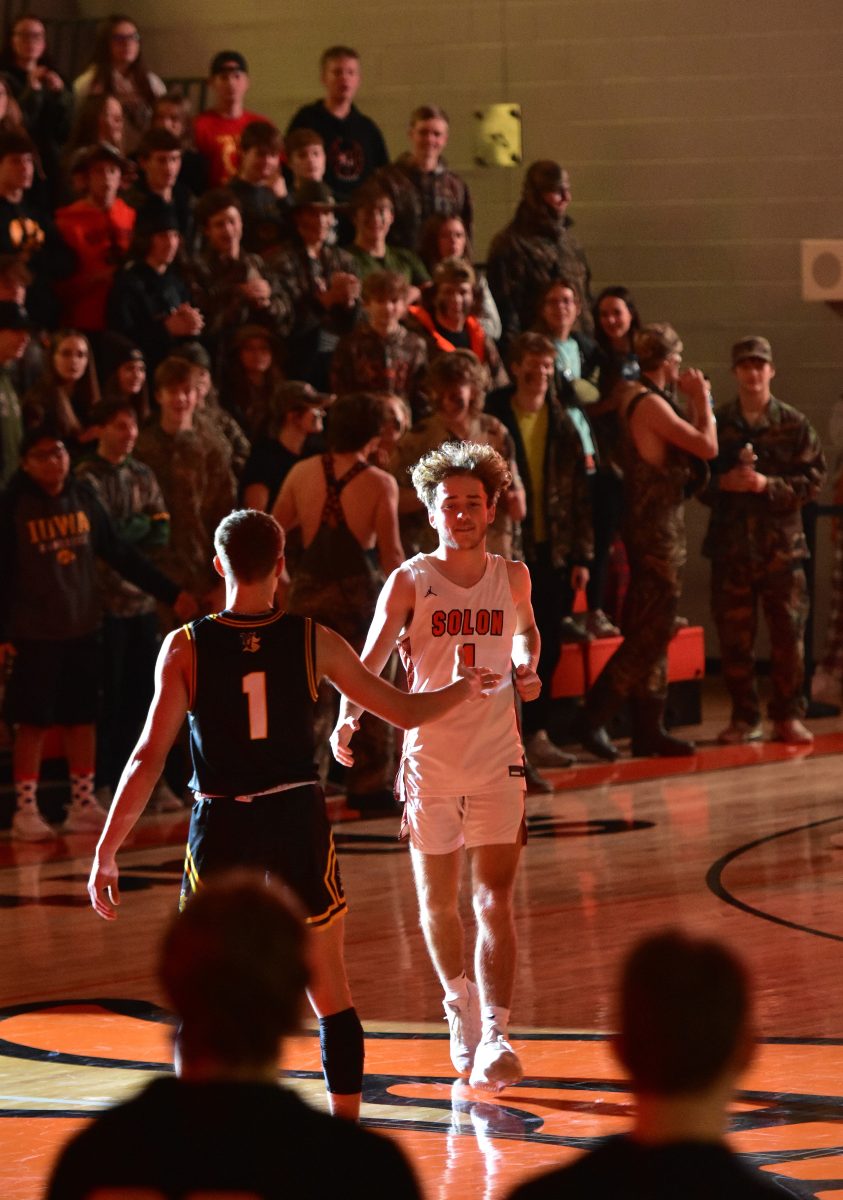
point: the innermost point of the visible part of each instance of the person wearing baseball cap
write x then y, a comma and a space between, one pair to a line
770, 464
217, 130
292, 431
98, 229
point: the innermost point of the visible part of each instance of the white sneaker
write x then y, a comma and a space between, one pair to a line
29, 826
163, 799
84, 817
464, 1023
496, 1065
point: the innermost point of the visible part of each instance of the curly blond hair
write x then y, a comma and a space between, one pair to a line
460, 458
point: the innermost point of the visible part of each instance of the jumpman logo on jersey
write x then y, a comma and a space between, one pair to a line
430, 592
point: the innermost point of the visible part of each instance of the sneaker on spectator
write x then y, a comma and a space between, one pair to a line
599, 626
737, 733
84, 816
496, 1065
573, 630
29, 826
542, 752
163, 799
464, 1024
792, 731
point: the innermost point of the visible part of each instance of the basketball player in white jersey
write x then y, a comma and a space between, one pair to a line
462, 777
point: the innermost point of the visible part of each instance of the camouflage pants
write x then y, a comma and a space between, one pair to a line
638, 668
736, 589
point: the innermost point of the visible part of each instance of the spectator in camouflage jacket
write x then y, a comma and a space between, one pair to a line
319, 283
193, 466
230, 286
536, 248
380, 355
769, 466
419, 183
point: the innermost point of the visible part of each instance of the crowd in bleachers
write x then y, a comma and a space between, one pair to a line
194, 295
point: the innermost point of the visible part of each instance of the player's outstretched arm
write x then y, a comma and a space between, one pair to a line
142, 771
337, 662
392, 613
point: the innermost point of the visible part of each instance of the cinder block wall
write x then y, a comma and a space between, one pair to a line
703, 139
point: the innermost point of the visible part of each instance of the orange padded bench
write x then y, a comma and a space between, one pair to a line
581, 662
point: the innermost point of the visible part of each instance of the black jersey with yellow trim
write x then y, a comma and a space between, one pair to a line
252, 702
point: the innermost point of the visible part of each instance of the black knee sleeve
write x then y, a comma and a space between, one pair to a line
341, 1043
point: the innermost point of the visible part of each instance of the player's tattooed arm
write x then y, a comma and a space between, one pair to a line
166, 714
526, 644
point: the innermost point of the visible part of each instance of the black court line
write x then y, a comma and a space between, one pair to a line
715, 884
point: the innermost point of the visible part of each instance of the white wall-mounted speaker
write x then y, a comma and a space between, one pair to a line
822, 269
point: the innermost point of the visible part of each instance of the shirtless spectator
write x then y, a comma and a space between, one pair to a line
535, 248
151, 300
354, 145
372, 213
319, 284
291, 429
261, 189
348, 513
98, 229
380, 355
420, 184
27, 232
217, 130
455, 386
445, 318
193, 466
159, 184
231, 286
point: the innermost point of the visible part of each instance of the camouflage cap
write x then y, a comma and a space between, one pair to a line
751, 347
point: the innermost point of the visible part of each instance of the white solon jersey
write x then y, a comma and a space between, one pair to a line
476, 746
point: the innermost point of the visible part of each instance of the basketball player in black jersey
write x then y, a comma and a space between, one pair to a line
247, 679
